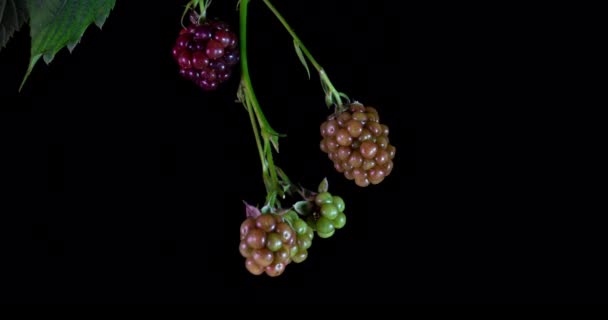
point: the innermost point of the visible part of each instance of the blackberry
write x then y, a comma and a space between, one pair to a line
206, 52
268, 244
327, 214
358, 144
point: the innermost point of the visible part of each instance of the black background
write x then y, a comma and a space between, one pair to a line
126, 182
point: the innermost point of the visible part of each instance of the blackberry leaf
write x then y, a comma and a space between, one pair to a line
13, 14
59, 23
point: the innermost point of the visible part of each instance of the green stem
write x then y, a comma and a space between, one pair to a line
330, 90
333, 94
265, 126
293, 35
203, 9
271, 180
258, 142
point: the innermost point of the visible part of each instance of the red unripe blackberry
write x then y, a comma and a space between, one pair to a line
358, 144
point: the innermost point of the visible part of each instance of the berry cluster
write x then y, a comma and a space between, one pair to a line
269, 243
327, 215
358, 144
206, 53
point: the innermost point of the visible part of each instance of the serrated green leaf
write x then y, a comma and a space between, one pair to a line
72, 45
13, 14
100, 20
300, 54
59, 23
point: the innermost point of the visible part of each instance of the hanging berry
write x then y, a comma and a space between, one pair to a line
206, 52
358, 144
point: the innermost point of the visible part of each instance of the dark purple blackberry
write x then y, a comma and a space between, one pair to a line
206, 52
